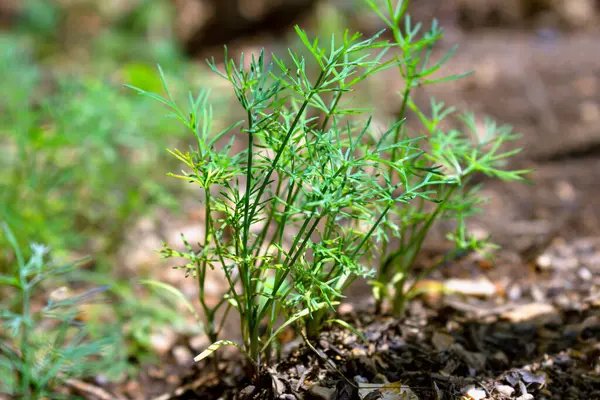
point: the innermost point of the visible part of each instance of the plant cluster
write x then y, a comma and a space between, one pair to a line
458, 153
305, 193
73, 159
40, 349
78, 153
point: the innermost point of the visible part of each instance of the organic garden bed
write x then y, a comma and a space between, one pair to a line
533, 337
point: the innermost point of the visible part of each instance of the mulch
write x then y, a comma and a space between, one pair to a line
536, 337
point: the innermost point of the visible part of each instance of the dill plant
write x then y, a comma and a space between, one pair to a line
458, 154
317, 195
41, 349
290, 218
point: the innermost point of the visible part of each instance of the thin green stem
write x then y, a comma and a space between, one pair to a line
250, 150
300, 250
329, 227
405, 96
415, 247
223, 318
201, 265
230, 280
245, 264
368, 235
25, 354
263, 233
279, 234
331, 111
286, 268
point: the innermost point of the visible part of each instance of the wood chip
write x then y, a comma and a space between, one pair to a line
526, 396
505, 390
476, 394
529, 311
471, 287
442, 341
90, 390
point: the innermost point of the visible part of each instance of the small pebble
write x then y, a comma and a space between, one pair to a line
162, 342
526, 396
585, 274
345, 308
383, 347
476, 394
182, 355
101, 380
514, 292
544, 261
505, 390
565, 191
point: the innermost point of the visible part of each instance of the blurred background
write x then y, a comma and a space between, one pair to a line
83, 160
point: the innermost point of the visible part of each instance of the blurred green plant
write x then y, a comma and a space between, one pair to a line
143, 34
77, 155
40, 348
40, 19
74, 158
77, 158
119, 32
458, 154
